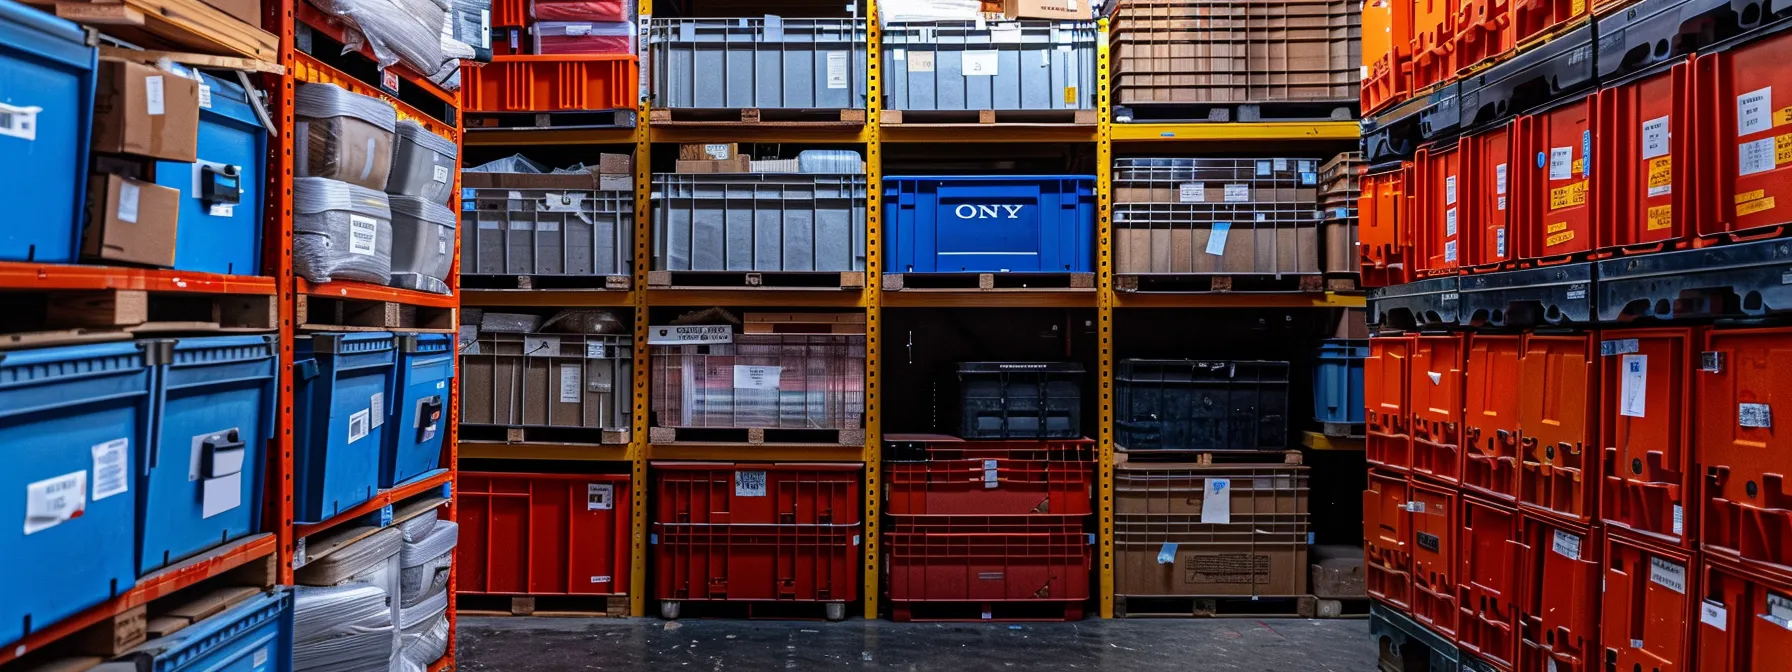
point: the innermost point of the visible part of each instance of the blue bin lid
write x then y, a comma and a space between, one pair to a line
33, 366
337, 343
223, 349
425, 343
43, 24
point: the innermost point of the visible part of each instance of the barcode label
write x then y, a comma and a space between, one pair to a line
363, 235
358, 425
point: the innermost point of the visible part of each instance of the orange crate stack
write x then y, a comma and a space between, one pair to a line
522, 83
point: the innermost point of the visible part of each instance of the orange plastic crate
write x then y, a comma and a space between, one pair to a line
1433, 42
1558, 611
1384, 234
1387, 37
1555, 202
1650, 603
1386, 373
1558, 421
1491, 242
1490, 418
1387, 539
1434, 384
552, 84
1739, 137
1743, 621
1439, 205
1488, 583
1483, 31
1642, 143
1532, 19
1434, 563
1646, 410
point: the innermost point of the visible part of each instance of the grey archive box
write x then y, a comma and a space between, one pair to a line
547, 380
999, 65
758, 222
546, 232
768, 62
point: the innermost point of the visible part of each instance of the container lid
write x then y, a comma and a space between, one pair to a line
212, 349
1020, 367
315, 195
319, 101
416, 133
413, 208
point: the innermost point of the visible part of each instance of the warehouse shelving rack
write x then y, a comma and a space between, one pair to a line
1105, 136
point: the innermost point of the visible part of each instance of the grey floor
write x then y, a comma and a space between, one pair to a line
1242, 645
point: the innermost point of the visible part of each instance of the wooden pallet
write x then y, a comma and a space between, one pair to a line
547, 606
151, 57
996, 612
984, 117
1208, 457
895, 282
803, 323
1217, 606
559, 435
341, 313
604, 282
782, 611
1343, 282
755, 436
853, 280
760, 116
87, 316
179, 25
525, 121
1151, 112
1216, 283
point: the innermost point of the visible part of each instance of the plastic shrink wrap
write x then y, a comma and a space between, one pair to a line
340, 232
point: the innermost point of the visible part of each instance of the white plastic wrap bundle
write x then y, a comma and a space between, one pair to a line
346, 628
425, 564
897, 11
340, 232
416, 528
408, 31
342, 135
374, 561
829, 161
424, 630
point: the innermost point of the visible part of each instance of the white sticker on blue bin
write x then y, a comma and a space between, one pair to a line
979, 63
376, 405
111, 468
19, 121
1167, 554
53, 501
837, 69
357, 426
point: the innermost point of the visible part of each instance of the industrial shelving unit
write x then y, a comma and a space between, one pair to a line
1105, 136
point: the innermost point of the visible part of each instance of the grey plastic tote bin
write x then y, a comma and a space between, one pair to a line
422, 244
1001, 65
768, 62
546, 232
752, 222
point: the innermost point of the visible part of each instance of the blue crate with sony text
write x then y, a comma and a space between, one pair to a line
342, 384
990, 224
46, 118
414, 435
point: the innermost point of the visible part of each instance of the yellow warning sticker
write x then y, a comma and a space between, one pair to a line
1661, 172
1571, 195
1577, 166
1783, 116
1577, 7
1558, 239
1782, 149
1661, 217
1558, 226
1069, 95
1747, 196
1754, 206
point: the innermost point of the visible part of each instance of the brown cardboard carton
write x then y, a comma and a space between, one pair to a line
130, 221
247, 11
146, 112
616, 182
1253, 565
615, 164
738, 164
707, 151
1046, 9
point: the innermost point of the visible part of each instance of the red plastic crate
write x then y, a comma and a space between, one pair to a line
758, 493
1558, 424
1388, 438
1745, 620
1650, 601
1483, 32
1433, 42
581, 10
1554, 201
1488, 584
1535, 18
985, 559
1439, 172
1642, 145
1387, 37
1645, 412
542, 534
1747, 500
1384, 236
1558, 613
955, 477
510, 13
1434, 563
1435, 385
1492, 243
1730, 86
755, 563
551, 84
1490, 415
1387, 534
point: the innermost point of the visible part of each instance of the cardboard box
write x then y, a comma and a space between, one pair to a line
146, 112
247, 11
739, 164
1073, 10
130, 221
708, 151
615, 164
1255, 565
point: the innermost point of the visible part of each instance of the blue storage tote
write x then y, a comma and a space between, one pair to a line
46, 102
73, 424
997, 224
1338, 380
220, 194
414, 439
255, 635
214, 401
341, 385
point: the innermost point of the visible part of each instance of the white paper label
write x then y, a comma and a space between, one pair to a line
1238, 193
377, 406
578, 29
1192, 192
128, 197
1262, 168
19, 122
1216, 240
1754, 415
1754, 111
363, 235
152, 95
205, 95
600, 496
991, 474
920, 61
1499, 236
220, 494
1679, 520
389, 79
836, 69
1779, 607
442, 174
749, 484
570, 375
260, 658
717, 151
1633, 385
1655, 137
1661, 190
1566, 545
1449, 250
979, 63
1216, 501
1561, 163
690, 334
111, 468
594, 350
1450, 222
1450, 190
1714, 614
1618, 346
1499, 180
221, 210
1755, 157
1668, 574
52, 501
757, 377
357, 425
1415, 506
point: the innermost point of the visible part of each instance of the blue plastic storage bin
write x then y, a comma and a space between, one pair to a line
1338, 380
342, 385
414, 437
220, 194
1017, 223
46, 93
73, 425
202, 484
253, 636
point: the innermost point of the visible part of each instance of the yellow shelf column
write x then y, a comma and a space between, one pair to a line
637, 446
1104, 287
874, 255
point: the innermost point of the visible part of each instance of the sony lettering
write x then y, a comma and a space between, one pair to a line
968, 211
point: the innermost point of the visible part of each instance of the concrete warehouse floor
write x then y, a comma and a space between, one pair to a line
640, 644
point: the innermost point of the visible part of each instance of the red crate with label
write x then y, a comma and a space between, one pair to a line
1745, 620
1649, 602
1742, 152
1558, 423
1642, 146
1490, 416
1487, 585
1388, 427
1439, 171
950, 476
1387, 533
1493, 242
542, 534
519, 83
1747, 500
757, 493
1553, 200
1436, 381
1558, 615
1433, 512
1646, 437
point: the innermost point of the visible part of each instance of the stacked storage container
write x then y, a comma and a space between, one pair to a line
990, 224
1231, 217
759, 222
555, 56
724, 63
543, 534
521, 375
801, 371
1340, 190
1000, 66
52, 185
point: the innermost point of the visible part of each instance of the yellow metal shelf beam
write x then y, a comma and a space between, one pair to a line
855, 134
1318, 441
1235, 132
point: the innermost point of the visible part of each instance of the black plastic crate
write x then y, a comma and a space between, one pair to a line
1021, 400
1184, 404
